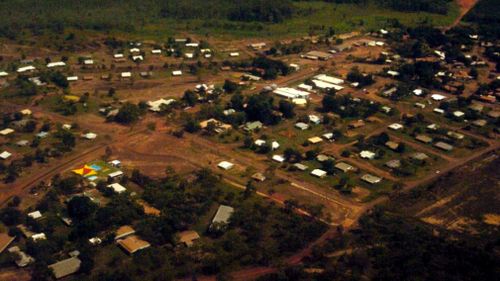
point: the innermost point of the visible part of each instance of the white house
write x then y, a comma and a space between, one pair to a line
325, 85
366, 154
314, 119
438, 110
5, 155
395, 126
279, 158
118, 188
155, 106
318, 173
118, 56
38, 236
3, 74
126, 74
393, 73
35, 215
176, 73
135, 50
72, 78
418, 92
88, 62
26, 69
56, 64
192, 45
291, 93
156, 51
225, 165
234, 54
438, 97
6, 132
138, 58
89, 136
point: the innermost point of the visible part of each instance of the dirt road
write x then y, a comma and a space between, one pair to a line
465, 7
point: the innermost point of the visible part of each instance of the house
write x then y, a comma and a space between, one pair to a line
5, 155
257, 46
28, 68
366, 154
225, 165
156, 106
35, 215
275, 145
250, 77
132, 244
395, 126
115, 163
386, 109
356, 124
314, 119
5, 240
38, 236
278, 158
56, 64
259, 177
88, 62
458, 114
188, 237
392, 145
222, 217
420, 156
371, 179
3, 74
95, 241
26, 112
65, 267
301, 126
433, 126
420, 105
115, 175
424, 139
322, 158
418, 92
42, 135
318, 55
156, 51
234, 54
389, 92
123, 232
393, 164
438, 110
315, 140
492, 114
23, 259
118, 56
126, 75
300, 102
318, 173
135, 50
259, 142
476, 107
455, 135
393, 73
252, 126
443, 146
22, 143
328, 136
89, 136
192, 45
300, 167
72, 78
438, 97
6, 132
176, 73
479, 123
344, 167
118, 188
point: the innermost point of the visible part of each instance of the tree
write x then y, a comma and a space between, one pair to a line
190, 97
81, 207
237, 101
128, 113
230, 86
10, 216
286, 108
249, 190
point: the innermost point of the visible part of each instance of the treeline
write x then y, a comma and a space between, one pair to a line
487, 15
56, 15
431, 6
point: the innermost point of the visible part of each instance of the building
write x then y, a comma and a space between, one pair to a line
259, 177
35, 215
222, 217
344, 167
329, 79
366, 154
420, 156
188, 237
6, 132
225, 165
301, 126
278, 158
118, 188
314, 119
123, 232
318, 55
443, 146
115, 175
176, 73
300, 167
65, 267
424, 139
318, 173
23, 259
392, 145
315, 140
56, 64
291, 93
5, 155
251, 126
132, 244
395, 126
325, 85
371, 179
393, 164
156, 106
